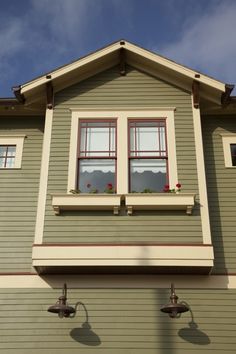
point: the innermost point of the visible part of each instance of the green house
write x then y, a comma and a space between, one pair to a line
117, 178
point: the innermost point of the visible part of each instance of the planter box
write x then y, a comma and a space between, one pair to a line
160, 201
86, 202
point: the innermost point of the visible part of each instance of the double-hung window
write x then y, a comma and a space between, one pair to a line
7, 156
122, 151
11, 149
147, 155
97, 156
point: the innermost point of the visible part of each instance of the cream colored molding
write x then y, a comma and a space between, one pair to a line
43, 177
86, 202
122, 255
228, 139
133, 51
204, 210
122, 117
117, 281
17, 140
160, 201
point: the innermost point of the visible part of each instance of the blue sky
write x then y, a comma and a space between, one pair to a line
37, 36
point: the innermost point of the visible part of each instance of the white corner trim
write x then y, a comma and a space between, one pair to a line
227, 140
17, 140
204, 209
43, 177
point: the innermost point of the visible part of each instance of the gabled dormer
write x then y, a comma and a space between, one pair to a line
122, 131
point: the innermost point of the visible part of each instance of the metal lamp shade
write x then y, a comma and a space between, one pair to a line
61, 307
174, 308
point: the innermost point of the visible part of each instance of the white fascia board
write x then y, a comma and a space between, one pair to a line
152, 57
70, 67
176, 67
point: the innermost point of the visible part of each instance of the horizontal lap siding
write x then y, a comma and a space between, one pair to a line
120, 321
108, 90
18, 196
221, 192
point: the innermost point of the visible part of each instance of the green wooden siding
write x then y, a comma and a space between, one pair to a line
109, 90
120, 321
221, 192
18, 196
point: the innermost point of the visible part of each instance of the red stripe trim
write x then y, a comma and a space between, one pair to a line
119, 244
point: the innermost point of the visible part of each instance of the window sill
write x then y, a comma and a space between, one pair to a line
160, 201
86, 202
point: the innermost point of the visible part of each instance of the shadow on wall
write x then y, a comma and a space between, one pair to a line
192, 334
84, 334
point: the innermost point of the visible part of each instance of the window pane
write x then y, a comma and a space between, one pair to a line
233, 153
11, 151
95, 175
10, 162
149, 174
147, 139
2, 162
97, 139
3, 150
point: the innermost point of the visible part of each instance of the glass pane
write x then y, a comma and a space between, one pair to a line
10, 162
148, 174
2, 162
97, 139
11, 151
96, 176
233, 154
147, 139
3, 150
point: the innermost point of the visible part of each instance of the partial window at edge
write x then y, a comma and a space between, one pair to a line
233, 154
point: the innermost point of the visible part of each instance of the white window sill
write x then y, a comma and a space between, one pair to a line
160, 201
136, 201
86, 202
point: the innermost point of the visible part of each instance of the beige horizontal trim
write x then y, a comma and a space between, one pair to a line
117, 281
121, 255
121, 109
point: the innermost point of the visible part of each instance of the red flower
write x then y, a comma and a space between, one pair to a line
88, 185
178, 185
109, 186
166, 188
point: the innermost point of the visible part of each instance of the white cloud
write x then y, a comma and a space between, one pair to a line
208, 43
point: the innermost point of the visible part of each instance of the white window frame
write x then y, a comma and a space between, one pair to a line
227, 140
19, 142
122, 117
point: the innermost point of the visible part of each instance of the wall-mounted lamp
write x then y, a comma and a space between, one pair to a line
174, 308
61, 307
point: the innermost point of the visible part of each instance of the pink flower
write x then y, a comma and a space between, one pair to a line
178, 185
109, 186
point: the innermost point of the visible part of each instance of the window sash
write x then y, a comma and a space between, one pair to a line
97, 159
154, 153
7, 156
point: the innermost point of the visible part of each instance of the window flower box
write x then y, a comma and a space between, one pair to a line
160, 201
86, 202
